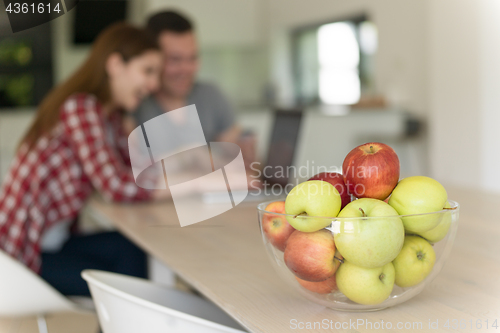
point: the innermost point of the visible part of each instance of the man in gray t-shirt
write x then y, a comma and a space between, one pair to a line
178, 44
215, 113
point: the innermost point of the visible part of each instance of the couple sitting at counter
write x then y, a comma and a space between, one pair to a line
77, 144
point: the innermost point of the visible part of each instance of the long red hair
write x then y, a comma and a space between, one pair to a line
91, 77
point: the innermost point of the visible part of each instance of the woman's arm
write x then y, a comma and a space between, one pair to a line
83, 124
122, 127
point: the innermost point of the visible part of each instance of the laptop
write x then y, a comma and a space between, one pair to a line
282, 148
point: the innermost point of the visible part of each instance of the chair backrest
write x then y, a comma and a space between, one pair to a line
23, 293
129, 305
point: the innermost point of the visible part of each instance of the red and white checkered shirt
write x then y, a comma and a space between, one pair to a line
50, 182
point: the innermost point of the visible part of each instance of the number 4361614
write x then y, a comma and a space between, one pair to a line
473, 324
26, 8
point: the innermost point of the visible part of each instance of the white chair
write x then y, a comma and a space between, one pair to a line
129, 305
23, 293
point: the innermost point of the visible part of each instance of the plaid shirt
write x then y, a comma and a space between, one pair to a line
50, 182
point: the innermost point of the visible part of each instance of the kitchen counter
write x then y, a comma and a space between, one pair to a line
225, 260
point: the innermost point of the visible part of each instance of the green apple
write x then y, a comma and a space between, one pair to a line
440, 231
365, 285
414, 262
373, 241
418, 195
312, 198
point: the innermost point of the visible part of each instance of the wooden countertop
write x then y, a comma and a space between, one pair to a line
225, 259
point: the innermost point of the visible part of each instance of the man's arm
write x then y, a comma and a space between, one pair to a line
232, 134
229, 129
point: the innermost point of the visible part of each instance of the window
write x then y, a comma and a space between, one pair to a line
334, 62
25, 66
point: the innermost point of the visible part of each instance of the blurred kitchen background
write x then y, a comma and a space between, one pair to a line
420, 75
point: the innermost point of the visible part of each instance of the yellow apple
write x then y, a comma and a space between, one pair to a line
440, 231
415, 261
419, 195
312, 198
365, 285
373, 237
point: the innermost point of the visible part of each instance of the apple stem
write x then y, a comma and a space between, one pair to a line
450, 208
362, 212
371, 149
381, 277
341, 260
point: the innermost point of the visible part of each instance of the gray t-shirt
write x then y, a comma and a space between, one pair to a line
216, 115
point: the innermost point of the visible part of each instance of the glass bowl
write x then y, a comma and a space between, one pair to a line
338, 301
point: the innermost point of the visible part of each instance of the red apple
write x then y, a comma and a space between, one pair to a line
310, 255
322, 287
371, 170
337, 180
276, 227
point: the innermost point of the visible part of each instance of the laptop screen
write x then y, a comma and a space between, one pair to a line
282, 147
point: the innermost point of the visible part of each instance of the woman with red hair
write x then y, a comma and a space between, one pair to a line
74, 146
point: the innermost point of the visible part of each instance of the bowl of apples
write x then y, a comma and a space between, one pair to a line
362, 240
